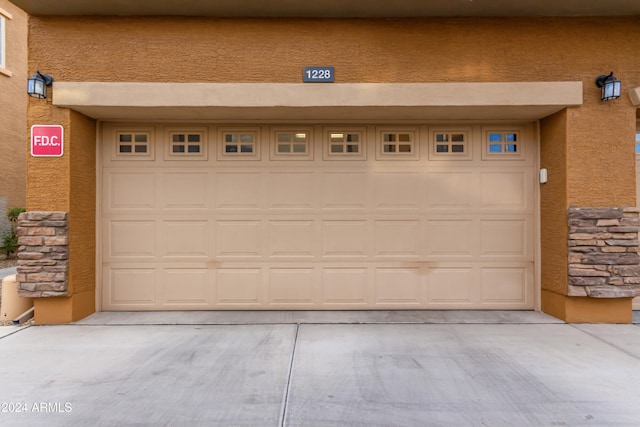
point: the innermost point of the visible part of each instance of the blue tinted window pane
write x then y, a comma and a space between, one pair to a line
638, 137
495, 148
511, 148
495, 137
637, 148
510, 137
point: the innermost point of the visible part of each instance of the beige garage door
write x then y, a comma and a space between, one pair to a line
317, 217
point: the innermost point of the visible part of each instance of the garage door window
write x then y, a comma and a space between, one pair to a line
502, 144
397, 144
186, 143
450, 145
239, 144
294, 144
342, 144
133, 145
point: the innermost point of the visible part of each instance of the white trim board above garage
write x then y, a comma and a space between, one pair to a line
299, 101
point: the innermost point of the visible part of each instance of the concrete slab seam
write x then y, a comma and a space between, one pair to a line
15, 332
285, 399
606, 342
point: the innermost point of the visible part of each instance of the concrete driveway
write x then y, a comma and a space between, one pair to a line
320, 369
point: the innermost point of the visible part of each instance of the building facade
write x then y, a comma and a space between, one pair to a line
13, 108
440, 157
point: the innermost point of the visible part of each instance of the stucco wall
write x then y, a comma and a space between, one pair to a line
13, 108
82, 196
601, 154
443, 49
68, 184
553, 203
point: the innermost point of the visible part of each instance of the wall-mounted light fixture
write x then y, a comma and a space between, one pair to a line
610, 86
37, 85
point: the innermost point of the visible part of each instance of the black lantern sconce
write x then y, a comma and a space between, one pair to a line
610, 86
37, 85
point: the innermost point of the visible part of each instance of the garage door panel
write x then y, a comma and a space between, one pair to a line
240, 238
292, 190
346, 239
186, 238
186, 287
239, 190
345, 190
130, 190
452, 238
401, 286
508, 238
401, 238
185, 190
450, 285
450, 189
397, 190
504, 190
240, 286
130, 287
131, 239
345, 286
507, 285
291, 239
292, 286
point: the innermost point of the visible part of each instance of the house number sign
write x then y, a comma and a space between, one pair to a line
318, 75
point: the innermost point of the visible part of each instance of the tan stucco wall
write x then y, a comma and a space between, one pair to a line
430, 50
588, 150
601, 153
13, 108
68, 183
553, 203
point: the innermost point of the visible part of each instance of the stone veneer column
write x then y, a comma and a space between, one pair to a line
43, 256
603, 252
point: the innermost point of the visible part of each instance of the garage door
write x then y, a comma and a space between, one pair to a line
317, 217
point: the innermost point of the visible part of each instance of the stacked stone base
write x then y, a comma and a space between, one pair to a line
43, 255
603, 252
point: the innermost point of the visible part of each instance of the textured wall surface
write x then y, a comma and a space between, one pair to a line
553, 203
82, 202
13, 109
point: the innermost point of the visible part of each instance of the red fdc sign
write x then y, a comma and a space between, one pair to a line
47, 140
